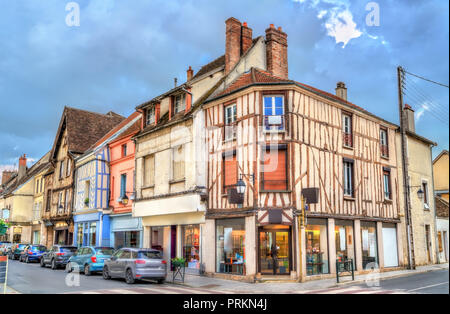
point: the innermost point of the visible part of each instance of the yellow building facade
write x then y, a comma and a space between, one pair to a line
441, 173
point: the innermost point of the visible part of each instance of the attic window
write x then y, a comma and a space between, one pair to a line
179, 103
150, 117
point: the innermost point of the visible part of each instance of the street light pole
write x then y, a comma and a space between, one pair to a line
407, 200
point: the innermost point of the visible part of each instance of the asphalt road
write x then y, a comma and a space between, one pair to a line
433, 282
31, 278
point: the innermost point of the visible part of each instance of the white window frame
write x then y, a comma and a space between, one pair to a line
426, 205
348, 178
150, 117
387, 186
230, 121
179, 103
274, 128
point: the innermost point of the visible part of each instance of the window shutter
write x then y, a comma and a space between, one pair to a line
275, 170
149, 170
178, 163
230, 170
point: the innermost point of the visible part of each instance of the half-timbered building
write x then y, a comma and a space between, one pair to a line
278, 137
78, 130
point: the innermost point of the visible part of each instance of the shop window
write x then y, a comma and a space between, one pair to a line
80, 235
317, 261
230, 171
274, 119
92, 233
274, 173
157, 238
126, 239
191, 245
230, 246
369, 246
343, 232
390, 251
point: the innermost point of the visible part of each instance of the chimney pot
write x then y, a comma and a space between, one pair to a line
276, 52
245, 24
409, 118
232, 43
22, 166
341, 90
190, 73
246, 38
280, 29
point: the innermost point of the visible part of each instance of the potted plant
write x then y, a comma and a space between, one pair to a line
179, 266
4, 225
86, 201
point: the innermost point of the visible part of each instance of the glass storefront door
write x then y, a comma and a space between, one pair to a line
274, 251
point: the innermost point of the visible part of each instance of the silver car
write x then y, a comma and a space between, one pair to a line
132, 264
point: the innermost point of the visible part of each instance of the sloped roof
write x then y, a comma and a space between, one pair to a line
131, 130
441, 207
442, 153
84, 128
219, 62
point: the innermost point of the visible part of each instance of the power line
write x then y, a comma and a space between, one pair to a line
424, 100
424, 94
425, 79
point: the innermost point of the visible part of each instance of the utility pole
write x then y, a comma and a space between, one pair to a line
407, 199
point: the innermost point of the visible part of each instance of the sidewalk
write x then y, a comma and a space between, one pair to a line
285, 287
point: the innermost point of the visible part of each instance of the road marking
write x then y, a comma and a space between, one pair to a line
430, 286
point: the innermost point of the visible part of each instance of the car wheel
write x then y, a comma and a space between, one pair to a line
42, 262
106, 274
129, 278
161, 281
54, 266
87, 271
68, 268
27, 260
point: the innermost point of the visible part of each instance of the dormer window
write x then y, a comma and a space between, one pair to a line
150, 117
179, 103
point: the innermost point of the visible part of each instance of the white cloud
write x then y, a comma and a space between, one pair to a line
341, 26
419, 113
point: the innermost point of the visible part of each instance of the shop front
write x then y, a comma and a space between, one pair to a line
63, 232
275, 250
177, 236
126, 231
91, 229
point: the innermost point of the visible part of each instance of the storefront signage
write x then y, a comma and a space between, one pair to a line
275, 216
17, 229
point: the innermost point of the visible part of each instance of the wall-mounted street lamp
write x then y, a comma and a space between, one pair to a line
420, 192
240, 185
124, 199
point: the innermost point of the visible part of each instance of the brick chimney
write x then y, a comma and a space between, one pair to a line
6, 175
232, 43
22, 167
190, 73
409, 118
276, 52
247, 38
341, 90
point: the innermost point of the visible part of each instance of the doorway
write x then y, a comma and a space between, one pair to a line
275, 250
428, 240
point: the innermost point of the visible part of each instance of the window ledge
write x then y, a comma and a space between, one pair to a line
274, 131
385, 157
148, 187
177, 181
229, 140
275, 191
349, 198
348, 147
387, 201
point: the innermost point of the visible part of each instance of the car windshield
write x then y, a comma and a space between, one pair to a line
105, 251
68, 249
21, 246
149, 254
38, 248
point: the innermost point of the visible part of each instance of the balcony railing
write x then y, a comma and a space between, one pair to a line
274, 123
348, 139
384, 150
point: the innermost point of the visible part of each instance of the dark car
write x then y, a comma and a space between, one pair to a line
132, 264
58, 256
16, 250
32, 253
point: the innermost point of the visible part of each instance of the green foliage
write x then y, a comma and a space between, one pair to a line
178, 262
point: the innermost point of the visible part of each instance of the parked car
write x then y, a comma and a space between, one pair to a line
4, 246
32, 253
58, 256
16, 249
89, 259
132, 264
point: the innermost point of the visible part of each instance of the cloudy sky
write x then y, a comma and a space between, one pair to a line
126, 52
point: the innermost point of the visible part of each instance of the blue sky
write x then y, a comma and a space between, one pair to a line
126, 52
